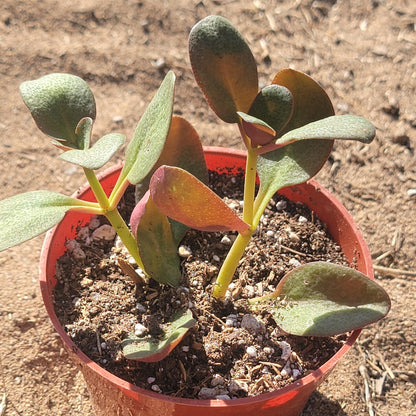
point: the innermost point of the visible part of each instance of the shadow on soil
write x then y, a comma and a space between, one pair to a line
318, 404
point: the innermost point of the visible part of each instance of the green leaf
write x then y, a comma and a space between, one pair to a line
150, 135
290, 165
152, 349
181, 196
183, 149
27, 215
324, 299
57, 103
223, 66
157, 247
344, 127
310, 101
297, 162
273, 105
98, 155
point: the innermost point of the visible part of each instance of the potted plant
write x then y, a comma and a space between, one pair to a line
288, 129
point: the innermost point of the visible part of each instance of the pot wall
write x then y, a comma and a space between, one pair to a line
112, 396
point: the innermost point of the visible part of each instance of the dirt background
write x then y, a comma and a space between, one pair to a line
363, 53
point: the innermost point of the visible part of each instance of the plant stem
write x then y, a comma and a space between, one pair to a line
124, 233
112, 214
249, 186
230, 264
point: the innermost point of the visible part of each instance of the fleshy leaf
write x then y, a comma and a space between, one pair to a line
259, 132
273, 105
27, 215
57, 103
310, 101
98, 155
344, 127
181, 196
223, 66
152, 349
183, 148
290, 165
324, 299
157, 247
297, 162
150, 135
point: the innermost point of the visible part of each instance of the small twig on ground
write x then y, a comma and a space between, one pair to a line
367, 393
389, 270
3, 405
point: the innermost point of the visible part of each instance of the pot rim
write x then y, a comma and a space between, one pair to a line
125, 385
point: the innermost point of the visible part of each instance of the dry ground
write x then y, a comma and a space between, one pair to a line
364, 54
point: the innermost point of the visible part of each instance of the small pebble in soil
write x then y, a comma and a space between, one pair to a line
217, 380
411, 192
226, 240
251, 351
215, 258
184, 251
141, 308
140, 330
294, 262
207, 393
94, 223
151, 380
270, 233
104, 232
286, 350
281, 205
231, 320
156, 388
223, 397
302, 219
251, 324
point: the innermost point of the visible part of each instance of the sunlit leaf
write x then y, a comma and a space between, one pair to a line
157, 247
98, 155
57, 103
27, 215
310, 101
324, 299
290, 165
273, 105
152, 349
150, 135
184, 198
224, 67
344, 127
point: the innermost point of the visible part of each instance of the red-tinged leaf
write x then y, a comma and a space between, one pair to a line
155, 241
184, 198
324, 299
310, 101
259, 132
151, 349
224, 67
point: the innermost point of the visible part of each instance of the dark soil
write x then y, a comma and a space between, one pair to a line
364, 55
232, 351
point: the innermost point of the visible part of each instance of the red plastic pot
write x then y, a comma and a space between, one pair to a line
113, 396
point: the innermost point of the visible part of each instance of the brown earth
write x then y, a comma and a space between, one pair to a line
363, 53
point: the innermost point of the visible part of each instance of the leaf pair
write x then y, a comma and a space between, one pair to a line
63, 107
177, 199
324, 299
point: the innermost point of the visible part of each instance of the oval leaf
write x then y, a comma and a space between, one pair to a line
98, 155
27, 215
181, 196
223, 66
150, 135
273, 105
157, 247
324, 299
57, 103
344, 127
150, 349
